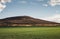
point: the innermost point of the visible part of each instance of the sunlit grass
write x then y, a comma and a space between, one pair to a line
30, 33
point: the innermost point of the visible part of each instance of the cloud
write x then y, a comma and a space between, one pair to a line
2, 7
54, 18
23, 2
5, 1
57, 11
40, 0
54, 2
45, 5
3, 4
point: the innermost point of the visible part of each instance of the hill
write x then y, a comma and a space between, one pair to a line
26, 21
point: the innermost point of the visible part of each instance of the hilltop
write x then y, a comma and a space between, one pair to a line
26, 21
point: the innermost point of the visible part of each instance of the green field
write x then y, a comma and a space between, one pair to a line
30, 33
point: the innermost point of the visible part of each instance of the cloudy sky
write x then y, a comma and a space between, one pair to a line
43, 9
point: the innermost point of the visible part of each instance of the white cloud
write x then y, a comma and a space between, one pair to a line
54, 18
54, 2
45, 5
2, 7
5, 1
40, 0
57, 11
23, 2
3, 4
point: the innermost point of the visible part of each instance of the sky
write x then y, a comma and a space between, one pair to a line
42, 9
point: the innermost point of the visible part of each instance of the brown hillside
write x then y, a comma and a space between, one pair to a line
25, 21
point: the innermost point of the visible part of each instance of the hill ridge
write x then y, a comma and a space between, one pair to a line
26, 20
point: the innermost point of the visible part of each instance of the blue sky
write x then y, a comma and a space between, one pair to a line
34, 8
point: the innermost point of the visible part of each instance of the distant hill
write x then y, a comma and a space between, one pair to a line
26, 21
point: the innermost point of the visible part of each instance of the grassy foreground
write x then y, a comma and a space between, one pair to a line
30, 33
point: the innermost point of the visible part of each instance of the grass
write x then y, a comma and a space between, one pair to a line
30, 33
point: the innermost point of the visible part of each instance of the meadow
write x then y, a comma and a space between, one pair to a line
29, 32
